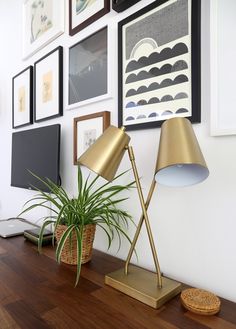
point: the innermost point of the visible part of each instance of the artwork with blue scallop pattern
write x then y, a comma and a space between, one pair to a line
156, 65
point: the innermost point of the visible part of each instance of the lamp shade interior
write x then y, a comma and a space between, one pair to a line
181, 175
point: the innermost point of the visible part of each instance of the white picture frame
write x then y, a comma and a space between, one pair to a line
223, 77
109, 83
43, 21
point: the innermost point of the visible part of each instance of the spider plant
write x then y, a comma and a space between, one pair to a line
94, 204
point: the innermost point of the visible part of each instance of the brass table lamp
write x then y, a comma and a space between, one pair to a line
178, 149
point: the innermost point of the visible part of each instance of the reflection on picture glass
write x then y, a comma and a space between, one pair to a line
88, 68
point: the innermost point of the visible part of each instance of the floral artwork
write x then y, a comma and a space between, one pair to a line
48, 86
41, 18
87, 129
22, 98
82, 5
84, 12
89, 138
43, 21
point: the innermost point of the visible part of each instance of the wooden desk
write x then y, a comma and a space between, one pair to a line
37, 293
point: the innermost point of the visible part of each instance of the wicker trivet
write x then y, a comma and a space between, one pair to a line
200, 301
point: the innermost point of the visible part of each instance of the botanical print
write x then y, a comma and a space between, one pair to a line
89, 138
83, 4
47, 87
41, 18
21, 99
157, 64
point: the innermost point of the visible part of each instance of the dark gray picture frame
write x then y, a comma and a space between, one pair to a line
164, 82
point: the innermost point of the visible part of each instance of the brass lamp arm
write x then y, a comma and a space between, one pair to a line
140, 223
143, 218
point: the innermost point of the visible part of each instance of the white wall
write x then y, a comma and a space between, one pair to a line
194, 228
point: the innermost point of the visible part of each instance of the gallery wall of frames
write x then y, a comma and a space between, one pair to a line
158, 67
88, 64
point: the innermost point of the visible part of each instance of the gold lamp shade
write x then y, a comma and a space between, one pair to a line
105, 155
180, 161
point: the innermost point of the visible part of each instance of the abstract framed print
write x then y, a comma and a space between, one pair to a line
87, 129
159, 66
48, 86
88, 70
22, 98
43, 21
84, 12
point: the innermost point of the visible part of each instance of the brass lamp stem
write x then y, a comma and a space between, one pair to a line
140, 223
144, 217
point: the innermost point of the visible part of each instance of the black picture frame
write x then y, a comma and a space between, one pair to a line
102, 10
48, 86
182, 20
121, 5
22, 98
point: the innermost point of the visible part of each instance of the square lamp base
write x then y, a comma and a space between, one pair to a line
142, 285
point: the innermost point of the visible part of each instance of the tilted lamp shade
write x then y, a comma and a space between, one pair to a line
105, 155
180, 161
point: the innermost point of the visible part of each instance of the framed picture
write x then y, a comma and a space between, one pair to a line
48, 86
223, 75
159, 67
87, 129
121, 5
88, 70
43, 21
84, 12
22, 98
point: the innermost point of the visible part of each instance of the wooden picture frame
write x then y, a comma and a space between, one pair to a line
87, 129
43, 21
22, 98
82, 14
48, 86
89, 70
159, 68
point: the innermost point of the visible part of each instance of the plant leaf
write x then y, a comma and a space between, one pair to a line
79, 240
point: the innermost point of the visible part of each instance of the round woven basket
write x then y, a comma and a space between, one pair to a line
69, 255
200, 301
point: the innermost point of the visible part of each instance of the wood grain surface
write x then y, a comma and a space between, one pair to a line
37, 293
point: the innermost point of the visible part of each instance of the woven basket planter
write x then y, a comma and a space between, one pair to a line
69, 255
